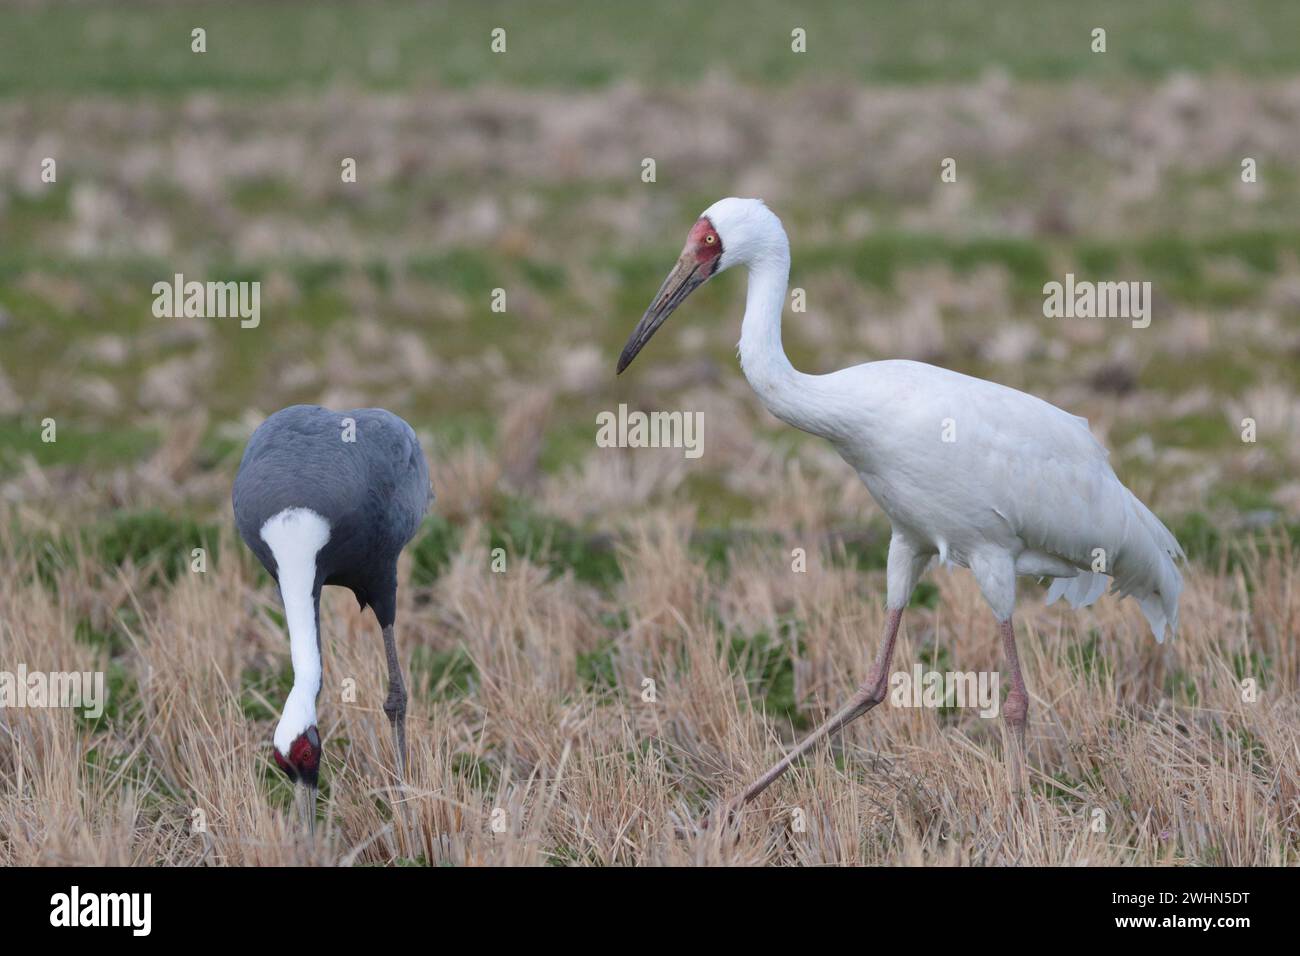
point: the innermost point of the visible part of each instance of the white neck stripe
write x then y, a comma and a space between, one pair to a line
295, 536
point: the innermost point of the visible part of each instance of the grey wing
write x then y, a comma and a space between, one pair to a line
402, 475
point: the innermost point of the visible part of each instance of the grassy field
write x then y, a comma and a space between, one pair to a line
143, 48
522, 171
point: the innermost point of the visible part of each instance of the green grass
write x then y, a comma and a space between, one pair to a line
450, 674
254, 48
1253, 665
1181, 687
1205, 541
597, 669
262, 691
75, 444
121, 699
868, 551
471, 271
522, 531
768, 665
59, 53
150, 538
878, 258
1088, 659
926, 595
432, 549
118, 297
1173, 262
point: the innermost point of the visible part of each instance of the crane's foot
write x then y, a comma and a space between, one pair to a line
728, 814
871, 693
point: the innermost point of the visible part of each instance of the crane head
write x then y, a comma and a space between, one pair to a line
699, 262
302, 762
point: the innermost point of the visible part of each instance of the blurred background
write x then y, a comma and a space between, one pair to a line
522, 170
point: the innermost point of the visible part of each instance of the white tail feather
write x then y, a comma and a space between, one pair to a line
1144, 567
1080, 590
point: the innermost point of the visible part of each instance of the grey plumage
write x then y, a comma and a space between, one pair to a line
373, 491
336, 496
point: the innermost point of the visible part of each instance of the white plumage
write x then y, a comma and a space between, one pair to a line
295, 536
977, 474
982, 476
970, 472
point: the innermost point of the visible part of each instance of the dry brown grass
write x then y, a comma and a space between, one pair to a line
378, 293
591, 775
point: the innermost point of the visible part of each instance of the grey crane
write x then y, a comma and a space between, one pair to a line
324, 497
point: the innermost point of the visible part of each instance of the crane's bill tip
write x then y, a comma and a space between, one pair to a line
630, 351
685, 277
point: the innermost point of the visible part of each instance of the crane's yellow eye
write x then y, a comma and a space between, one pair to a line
709, 239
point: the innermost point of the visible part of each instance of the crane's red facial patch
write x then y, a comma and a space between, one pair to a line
695, 266
284, 765
302, 765
305, 753
704, 243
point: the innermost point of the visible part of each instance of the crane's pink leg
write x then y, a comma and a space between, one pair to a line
871, 693
1015, 709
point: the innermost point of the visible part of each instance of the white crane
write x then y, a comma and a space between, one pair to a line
976, 474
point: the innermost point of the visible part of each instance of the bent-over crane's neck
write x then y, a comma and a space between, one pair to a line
295, 537
302, 616
786, 392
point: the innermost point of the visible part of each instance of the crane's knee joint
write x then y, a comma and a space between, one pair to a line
875, 688
395, 705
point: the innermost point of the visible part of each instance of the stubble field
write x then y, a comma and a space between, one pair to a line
532, 738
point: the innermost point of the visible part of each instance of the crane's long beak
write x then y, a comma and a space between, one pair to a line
687, 276
307, 807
